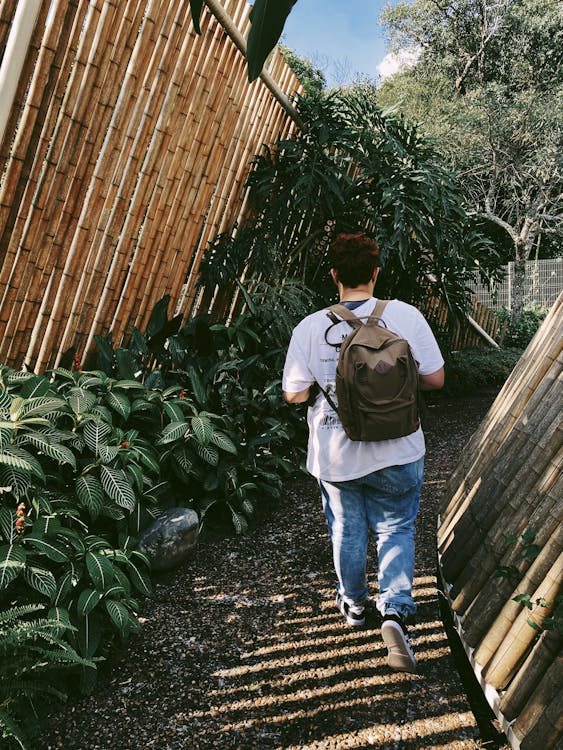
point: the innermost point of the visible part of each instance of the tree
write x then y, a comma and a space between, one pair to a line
354, 167
488, 87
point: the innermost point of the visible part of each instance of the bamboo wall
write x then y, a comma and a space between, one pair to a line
466, 337
509, 482
126, 151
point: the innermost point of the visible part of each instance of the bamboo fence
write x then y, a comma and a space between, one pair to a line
126, 151
501, 512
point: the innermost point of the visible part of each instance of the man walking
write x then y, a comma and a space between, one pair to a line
365, 485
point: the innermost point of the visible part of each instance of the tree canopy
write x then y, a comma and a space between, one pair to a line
488, 86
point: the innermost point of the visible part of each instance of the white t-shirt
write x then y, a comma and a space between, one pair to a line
331, 454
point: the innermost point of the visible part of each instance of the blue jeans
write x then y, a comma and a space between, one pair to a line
385, 503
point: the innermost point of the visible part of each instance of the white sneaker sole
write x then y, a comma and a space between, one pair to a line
399, 653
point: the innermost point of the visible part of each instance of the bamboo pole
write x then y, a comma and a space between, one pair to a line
540, 725
523, 686
519, 639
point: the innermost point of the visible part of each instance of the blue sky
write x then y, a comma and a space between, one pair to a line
345, 32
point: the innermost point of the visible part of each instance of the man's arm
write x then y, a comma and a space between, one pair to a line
433, 381
297, 398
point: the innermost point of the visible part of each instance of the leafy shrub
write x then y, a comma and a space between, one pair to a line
471, 370
32, 652
77, 486
519, 333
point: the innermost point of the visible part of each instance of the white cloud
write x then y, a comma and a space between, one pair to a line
393, 62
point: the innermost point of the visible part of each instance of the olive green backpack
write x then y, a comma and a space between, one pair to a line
376, 378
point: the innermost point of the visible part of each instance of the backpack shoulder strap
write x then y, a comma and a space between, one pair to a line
380, 306
344, 314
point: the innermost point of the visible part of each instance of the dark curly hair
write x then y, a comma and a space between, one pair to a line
354, 258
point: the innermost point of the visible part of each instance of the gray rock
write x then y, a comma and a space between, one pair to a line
171, 538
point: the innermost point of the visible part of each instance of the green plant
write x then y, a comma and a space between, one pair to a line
553, 618
519, 333
32, 654
77, 487
471, 370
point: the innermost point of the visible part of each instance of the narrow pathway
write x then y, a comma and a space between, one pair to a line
243, 647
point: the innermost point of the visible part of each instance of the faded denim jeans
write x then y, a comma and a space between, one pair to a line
385, 503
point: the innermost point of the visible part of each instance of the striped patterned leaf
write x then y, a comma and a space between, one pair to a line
147, 458
239, 522
119, 403
202, 429
100, 570
108, 453
90, 494
7, 518
129, 385
59, 453
173, 431
115, 484
223, 441
24, 460
12, 561
139, 578
87, 601
95, 434
6, 434
80, 400
16, 408
5, 402
42, 405
89, 634
183, 460
65, 584
173, 411
101, 411
89, 379
209, 453
41, 580
52, 549
18, 481
46, 524
136, 476
119, 613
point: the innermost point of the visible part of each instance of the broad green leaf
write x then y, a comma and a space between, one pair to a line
90, 494
59, 453
41, 580
7, 520
100, 569
119, 403
54, 550
268, 18
158, 317
81, 400
87, 601
95, 434
195, 7
209, 453
239, 521
139, 578
129, 384
65, 584
223, 441
184, 460
119, 614
136, 476
117, 487
38, 407
47, 524
37, 385
197, 387
23, 460
202, 429
12, 561
173, 411
173, 431
89, 380
126, 365
89, 634
108, 453
6, 434
147, 457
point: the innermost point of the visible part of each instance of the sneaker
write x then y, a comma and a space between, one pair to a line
353, 614
400, 656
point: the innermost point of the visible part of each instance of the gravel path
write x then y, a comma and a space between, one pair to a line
243, 647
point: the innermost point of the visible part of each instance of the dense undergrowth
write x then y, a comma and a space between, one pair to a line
187, 415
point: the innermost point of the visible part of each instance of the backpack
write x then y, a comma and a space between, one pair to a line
377, 384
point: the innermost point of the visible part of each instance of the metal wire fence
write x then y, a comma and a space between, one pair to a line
544, 283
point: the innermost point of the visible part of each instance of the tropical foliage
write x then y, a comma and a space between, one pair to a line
355, 166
